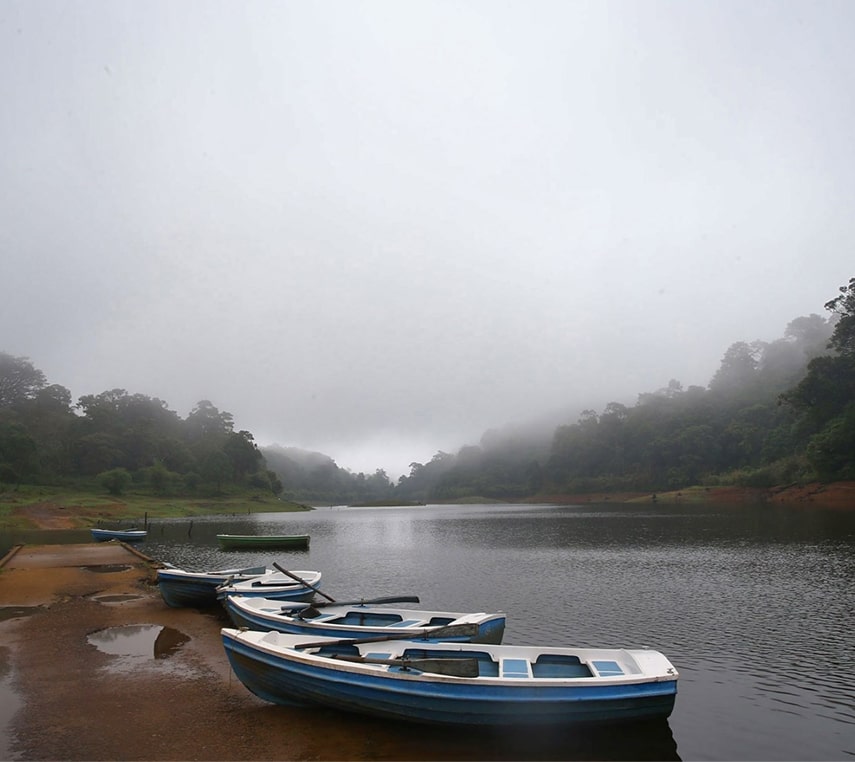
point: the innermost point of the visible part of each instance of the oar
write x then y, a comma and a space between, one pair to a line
307, 584
457, 666
361, 602
438, 633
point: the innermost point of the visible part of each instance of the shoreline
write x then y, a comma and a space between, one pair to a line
60, 512
831, 495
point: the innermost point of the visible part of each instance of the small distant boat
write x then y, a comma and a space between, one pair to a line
263, 541
455, 683
181, 588
126, 535
358, 619
276, 585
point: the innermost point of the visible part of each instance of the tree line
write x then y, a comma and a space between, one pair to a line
774, 413
119, 440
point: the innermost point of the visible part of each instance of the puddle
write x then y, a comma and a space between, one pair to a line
118, 598
10, 703
16, 612
108, 568
139, 641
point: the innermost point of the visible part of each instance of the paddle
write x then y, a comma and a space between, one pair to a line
307, 584
437, 633
457, 667
303, 607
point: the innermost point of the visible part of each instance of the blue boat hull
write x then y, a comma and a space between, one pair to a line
200, 591
103, 535
180, 589
188, 594
490, 631
287, 682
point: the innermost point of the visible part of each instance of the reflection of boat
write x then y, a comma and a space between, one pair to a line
126, 535
275, 584
342, 620
180, 587
262, 541
455, 683
168, 641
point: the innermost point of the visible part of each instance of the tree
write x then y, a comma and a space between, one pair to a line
811, 333
19, 380
216, 468
824, 396
243, 454
843, 337
115, 481
738, 367
832, 451
18, 452
206, 421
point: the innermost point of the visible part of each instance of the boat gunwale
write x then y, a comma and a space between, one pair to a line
247, 609
310, 658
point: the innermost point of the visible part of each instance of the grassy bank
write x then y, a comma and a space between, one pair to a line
29, 507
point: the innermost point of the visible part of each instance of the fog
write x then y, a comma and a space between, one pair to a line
378, 229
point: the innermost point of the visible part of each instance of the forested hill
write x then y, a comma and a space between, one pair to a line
774, 413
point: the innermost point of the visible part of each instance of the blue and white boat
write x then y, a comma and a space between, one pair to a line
198, 589
125, 535
455, 683
290, 586
357, 619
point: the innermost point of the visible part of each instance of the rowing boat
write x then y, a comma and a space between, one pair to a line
263, 541
455, 683
360, 619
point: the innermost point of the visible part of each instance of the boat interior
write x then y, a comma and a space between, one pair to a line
545, 666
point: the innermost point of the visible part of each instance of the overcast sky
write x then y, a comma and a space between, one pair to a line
378, 229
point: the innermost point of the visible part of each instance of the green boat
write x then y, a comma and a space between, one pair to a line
263, 541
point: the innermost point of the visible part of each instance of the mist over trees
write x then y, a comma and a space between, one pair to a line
773, 413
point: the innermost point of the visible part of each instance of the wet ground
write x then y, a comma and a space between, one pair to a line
94, 666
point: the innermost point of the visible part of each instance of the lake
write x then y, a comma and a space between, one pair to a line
754, 605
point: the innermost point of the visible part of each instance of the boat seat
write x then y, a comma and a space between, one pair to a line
607, 668
515, 668
407, 623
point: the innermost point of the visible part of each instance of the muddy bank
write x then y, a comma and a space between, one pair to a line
80, 703
833, 495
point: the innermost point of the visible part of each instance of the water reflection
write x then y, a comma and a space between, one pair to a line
10, 703
643, 741
139, 640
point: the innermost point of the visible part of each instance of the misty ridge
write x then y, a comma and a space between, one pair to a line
774, 413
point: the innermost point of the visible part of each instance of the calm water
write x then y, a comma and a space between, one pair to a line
754, 605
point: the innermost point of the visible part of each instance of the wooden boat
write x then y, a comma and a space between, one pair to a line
276, 585
356, 619
197, 589
455, 683
125, 535
263, 541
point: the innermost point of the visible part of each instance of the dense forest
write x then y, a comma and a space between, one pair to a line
774, 413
